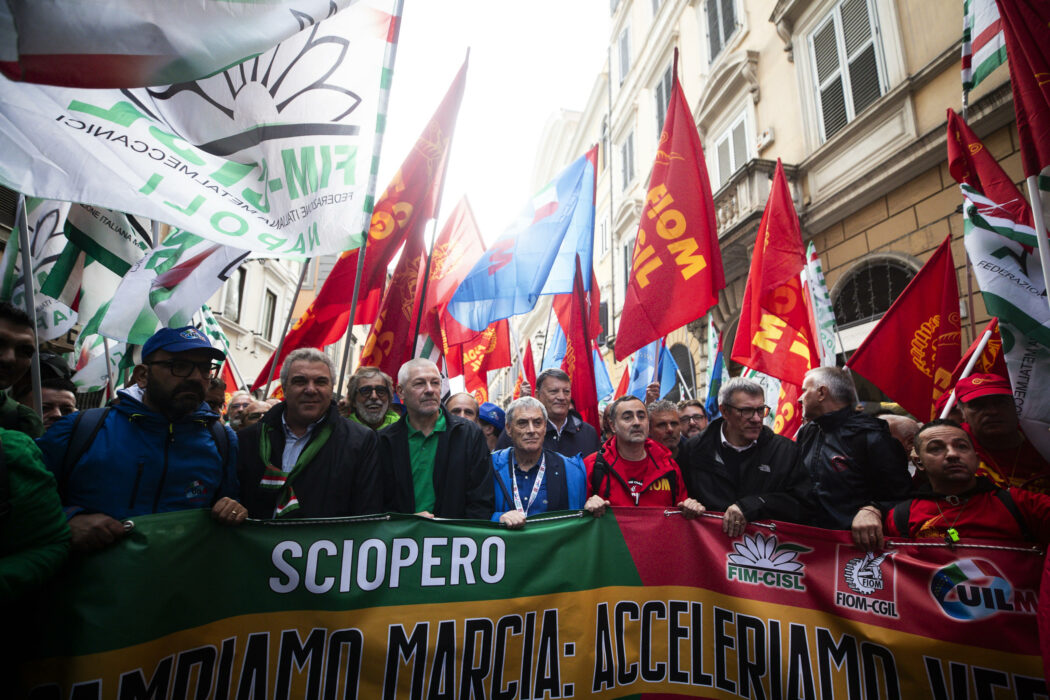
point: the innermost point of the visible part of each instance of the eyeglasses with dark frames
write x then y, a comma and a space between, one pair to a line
749, 411
184, 368
365, 391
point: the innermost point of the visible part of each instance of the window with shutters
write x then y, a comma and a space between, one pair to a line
847, 64
731, 151
627, 161
625, 53
663, 99
269, 313
231, 308
721, 23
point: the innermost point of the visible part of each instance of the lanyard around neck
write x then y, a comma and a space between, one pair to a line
535, 487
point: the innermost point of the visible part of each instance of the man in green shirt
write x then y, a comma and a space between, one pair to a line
370, 391
434, 463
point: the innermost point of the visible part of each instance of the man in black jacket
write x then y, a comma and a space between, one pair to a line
434, 463
567, 433
859, 471
303, 459
739, 466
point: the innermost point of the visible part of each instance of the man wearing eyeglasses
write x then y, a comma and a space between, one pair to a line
693, 417
370, 392
160, 449
740, 467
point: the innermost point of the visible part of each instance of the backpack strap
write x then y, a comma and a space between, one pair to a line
222, 443
86, 425
900, 515
600, 473
1011, 505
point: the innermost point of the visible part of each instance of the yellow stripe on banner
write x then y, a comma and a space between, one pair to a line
604, 642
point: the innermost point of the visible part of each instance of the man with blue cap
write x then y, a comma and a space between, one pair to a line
491, 419
160, 448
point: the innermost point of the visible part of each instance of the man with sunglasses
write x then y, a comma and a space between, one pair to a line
160, 449
740, 467
370, 392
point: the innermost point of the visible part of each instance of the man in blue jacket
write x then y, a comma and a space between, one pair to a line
530, 479
159, 449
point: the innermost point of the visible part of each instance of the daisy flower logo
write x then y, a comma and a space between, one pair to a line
762, 560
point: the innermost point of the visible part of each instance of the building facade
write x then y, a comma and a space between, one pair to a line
851, 96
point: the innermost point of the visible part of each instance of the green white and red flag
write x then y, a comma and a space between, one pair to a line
983, 44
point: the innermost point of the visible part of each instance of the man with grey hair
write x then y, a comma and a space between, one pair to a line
857, 469
239, 402
664, 425
567, 433
530, 479
740, 467
303, 459
434, 463
370, 392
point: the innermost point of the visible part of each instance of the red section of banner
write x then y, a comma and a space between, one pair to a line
774, 335
912, 350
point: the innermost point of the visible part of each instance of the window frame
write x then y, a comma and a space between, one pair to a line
627, 171
664, 85
726, 134
724, 41
623, 46
267, 327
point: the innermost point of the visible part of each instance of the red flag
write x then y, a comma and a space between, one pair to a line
992, 359
625, 383
389, 344
404, 207
970, 162
489, 351
527, 372
676, 254
574, 319
774, 335
788, 417
912, 350
1026, 28
230, 381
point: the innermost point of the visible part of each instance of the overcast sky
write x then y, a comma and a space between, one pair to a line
527, 60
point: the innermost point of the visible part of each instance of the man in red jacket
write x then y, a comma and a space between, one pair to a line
963, 505
632, 470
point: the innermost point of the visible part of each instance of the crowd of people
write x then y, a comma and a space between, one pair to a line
75, 480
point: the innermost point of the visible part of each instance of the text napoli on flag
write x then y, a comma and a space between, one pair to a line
271, 155
676, 255
911, 352
775, 334
536, 255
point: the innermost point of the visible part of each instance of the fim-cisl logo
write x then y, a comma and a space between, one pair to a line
973, 589
762, 561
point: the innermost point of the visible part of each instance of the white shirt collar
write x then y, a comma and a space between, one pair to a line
726, 443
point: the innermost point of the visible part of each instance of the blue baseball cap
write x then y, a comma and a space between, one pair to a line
492, 414
180, 340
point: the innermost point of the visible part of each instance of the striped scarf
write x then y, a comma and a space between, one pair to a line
276, 479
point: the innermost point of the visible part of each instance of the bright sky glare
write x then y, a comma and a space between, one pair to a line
527, 60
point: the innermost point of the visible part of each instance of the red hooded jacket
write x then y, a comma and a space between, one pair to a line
660, 485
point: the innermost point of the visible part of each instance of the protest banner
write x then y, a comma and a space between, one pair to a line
401, 606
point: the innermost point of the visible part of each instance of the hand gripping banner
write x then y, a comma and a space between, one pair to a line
642, 601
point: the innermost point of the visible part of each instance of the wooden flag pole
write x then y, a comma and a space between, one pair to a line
370, 191
287, 324
22, 222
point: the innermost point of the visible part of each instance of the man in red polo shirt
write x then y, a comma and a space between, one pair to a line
1007, 457
632, 470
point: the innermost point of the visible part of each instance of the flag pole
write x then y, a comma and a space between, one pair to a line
110, 390
437, 210
688, 394
370, 191
967, 370
287, 323
27, 282
1040, 228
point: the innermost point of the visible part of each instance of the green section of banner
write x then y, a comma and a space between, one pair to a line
177, 571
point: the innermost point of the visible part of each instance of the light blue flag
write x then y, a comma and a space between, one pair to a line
554, 350
667, 371
536, 255
602, 382
644, 370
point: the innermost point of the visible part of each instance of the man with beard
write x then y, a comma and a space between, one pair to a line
160, 449
370, 392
